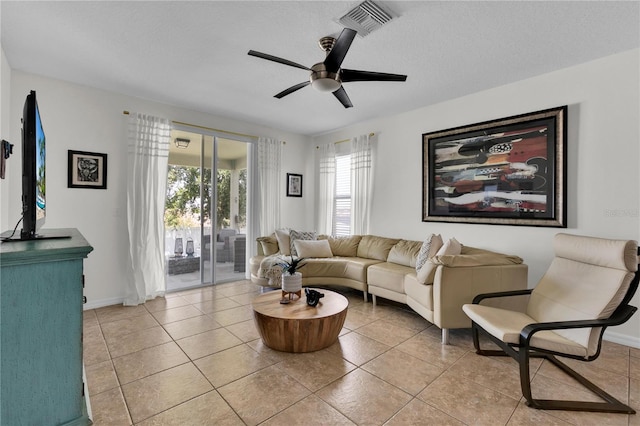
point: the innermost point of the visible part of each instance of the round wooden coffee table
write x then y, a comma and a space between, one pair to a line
298, 327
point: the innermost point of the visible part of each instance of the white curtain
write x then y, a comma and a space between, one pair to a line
361, 184
253, 201
148, 154
269, 174
326, 188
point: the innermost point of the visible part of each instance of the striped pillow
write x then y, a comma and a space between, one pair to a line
300, 235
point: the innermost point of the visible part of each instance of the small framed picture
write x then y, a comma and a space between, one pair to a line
294, 185
87, 170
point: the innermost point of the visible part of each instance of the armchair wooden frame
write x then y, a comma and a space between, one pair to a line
523, 351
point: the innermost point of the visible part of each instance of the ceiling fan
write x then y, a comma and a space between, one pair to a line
327, 76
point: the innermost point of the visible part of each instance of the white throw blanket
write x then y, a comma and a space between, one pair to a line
271, 270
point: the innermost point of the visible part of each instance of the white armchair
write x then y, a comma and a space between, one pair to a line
586, 289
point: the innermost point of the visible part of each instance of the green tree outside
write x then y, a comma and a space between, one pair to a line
183, 205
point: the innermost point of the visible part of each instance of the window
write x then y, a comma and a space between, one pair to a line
342, 219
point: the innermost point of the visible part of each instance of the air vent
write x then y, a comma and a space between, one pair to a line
366, 17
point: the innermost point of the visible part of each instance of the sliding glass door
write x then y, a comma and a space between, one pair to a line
205, 212
230, 226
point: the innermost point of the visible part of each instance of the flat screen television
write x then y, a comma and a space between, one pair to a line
34, 206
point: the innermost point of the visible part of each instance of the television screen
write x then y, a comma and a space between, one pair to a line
40, 172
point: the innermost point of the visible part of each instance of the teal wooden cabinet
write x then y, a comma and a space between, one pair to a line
41, 330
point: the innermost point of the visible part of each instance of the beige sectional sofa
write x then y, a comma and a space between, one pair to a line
386, 267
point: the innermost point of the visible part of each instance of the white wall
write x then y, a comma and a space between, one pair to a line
5, 132
80, 118
603, 192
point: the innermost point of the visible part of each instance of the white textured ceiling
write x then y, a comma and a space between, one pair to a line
194, 54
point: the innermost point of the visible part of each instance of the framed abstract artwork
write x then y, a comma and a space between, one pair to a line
87, 170
509, 171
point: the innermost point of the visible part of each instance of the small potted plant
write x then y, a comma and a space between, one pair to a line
291, 278
292, 266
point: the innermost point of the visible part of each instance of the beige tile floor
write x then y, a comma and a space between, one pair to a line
195, 358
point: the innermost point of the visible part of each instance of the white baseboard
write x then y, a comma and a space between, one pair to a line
93, 304
622, 339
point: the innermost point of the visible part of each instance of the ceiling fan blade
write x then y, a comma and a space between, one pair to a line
341, 94
355, 75
276, 59
292, 89
335, 57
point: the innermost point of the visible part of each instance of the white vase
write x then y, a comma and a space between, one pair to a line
292, 283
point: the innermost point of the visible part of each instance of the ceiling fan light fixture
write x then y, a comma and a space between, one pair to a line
323, 80
325, 84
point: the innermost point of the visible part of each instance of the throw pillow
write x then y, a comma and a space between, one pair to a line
427, 273
313, 248
284, 243
269, 244
300, 235
429, 248
451, 247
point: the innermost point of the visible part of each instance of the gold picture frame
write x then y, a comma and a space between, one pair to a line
509, 171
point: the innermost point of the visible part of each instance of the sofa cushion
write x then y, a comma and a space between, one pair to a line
268, 244
388, 275
315, 248
358, 267
373, 247
427, 273
300, 235
421, 293
405, 253
338, 267
345, 246
429, 248
327, 267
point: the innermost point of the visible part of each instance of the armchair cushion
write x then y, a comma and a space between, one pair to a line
616, 254
506, 325
572, 290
